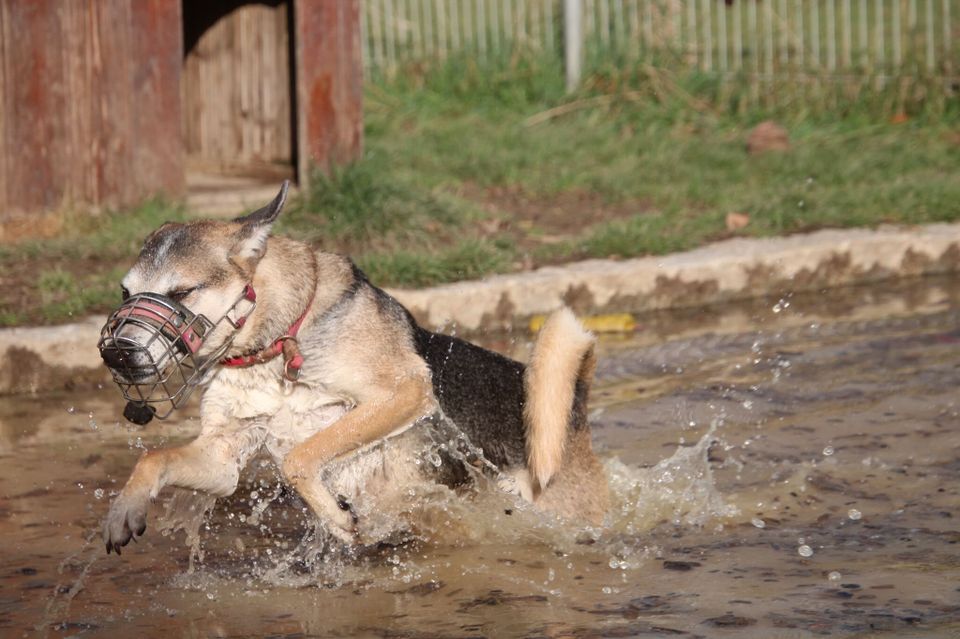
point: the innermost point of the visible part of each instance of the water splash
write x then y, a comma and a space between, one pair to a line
187, 511
680, 490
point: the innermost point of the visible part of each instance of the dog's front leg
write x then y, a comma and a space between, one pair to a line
211, 463
371, 420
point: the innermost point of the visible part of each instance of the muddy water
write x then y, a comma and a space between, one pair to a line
787, 468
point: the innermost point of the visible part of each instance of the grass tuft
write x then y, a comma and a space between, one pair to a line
367, 205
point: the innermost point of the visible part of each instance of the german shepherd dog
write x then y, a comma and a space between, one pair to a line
334, 378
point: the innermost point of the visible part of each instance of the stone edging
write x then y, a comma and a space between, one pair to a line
728, 270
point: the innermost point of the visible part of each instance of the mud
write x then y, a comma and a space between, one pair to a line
783, 468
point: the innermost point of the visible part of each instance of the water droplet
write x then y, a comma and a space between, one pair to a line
607, 590
834, 576
758, 523
828, 450
71, 410
254, 494
854, 514
98, 493
805, 551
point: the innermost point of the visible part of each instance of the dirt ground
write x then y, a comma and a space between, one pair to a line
533, 222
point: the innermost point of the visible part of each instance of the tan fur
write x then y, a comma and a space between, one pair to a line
579, 488
369, 422
562, 354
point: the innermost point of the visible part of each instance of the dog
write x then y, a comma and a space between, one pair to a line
337, 381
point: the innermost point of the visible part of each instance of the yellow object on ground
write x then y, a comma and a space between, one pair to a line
610, 323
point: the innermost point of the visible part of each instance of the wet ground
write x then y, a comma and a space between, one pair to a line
784, 468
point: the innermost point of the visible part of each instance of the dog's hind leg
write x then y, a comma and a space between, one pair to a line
211, 463
385, 414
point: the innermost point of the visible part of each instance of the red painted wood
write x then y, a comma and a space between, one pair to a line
90, 98
329, 73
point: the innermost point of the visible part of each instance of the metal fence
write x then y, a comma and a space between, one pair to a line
757, 38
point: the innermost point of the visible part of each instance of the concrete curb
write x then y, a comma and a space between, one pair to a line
728, 270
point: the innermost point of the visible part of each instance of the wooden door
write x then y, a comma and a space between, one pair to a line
237, 88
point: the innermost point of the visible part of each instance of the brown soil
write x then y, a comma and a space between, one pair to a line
533, 221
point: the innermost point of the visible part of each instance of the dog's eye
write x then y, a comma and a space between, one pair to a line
181, 293
124, 293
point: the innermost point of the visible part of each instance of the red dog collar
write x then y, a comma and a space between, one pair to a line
286, 344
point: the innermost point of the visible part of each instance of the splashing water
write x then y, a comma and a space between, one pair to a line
679, 490
187, 511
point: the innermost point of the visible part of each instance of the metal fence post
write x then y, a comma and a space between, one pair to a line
573, 41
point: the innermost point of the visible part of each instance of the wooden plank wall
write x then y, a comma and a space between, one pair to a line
89, 103
329, 75
237, 88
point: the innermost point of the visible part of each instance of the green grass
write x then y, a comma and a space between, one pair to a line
102, 236
458, 180
674, 149
366, 205
468, 259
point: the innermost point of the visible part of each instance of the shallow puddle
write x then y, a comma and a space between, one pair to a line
784, 468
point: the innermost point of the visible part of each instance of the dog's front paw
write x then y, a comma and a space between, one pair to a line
126, 520
340, 521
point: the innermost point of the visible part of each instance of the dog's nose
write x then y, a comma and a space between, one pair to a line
112, 357
130, 365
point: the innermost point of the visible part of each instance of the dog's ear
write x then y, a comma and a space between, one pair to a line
255, 229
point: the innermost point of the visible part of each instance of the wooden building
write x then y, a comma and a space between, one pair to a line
106, 102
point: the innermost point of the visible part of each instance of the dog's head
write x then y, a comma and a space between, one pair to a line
185, 299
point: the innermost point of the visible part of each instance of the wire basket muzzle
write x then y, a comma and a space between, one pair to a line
150, 344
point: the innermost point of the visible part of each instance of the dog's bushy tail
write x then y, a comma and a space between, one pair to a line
557, 382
